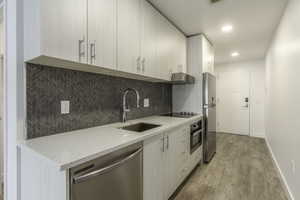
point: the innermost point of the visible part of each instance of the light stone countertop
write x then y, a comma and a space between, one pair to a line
70, 149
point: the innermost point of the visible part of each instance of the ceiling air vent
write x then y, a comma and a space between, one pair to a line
215, 1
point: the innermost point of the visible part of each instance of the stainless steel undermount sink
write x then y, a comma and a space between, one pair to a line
140, 127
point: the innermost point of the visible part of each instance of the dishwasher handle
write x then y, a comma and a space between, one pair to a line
103, 170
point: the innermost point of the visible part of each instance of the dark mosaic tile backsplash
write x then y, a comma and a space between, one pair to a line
94, 99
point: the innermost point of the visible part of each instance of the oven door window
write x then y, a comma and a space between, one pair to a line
195, 140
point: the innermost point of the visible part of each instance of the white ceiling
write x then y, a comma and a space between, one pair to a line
254, 23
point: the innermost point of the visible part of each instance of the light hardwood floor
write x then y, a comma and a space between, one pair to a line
242, 169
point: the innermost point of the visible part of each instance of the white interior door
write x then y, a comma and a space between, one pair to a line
233, 113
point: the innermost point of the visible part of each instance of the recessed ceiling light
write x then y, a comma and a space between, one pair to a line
235, 54
227, 28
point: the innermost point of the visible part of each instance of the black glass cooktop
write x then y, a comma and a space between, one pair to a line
180, 114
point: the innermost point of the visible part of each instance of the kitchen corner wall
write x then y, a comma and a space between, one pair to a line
95, 99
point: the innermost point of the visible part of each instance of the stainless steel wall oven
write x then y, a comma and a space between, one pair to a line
196, 136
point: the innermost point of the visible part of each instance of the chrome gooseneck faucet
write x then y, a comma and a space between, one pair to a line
126, 109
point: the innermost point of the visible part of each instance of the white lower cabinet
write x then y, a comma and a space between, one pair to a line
164, 158
154, 168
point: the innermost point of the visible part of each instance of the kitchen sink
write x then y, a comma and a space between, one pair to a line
140, 127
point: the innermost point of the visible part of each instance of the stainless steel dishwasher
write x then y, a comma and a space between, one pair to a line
116, 176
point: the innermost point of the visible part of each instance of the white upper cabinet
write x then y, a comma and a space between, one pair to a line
148, 40
208, 56
125, 35
55, 28
171, 49
102, 30
180, 52
128, 36
164, 48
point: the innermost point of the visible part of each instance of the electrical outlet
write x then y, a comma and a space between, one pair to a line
293, 166
65, 107
146, 103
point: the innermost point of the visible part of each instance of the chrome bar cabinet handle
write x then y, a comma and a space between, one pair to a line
81, 51
143, 64
93, 52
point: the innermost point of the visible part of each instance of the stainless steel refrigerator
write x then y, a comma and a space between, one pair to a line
209, 116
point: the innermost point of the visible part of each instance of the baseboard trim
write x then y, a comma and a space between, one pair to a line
251, 135
283, 179
258, 136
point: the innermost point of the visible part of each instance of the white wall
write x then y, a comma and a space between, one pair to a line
256, 70
283, 96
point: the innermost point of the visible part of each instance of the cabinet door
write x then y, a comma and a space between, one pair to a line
173, 161
153, 169
208, 56
148, 42
129, 19
211, 59
63, 29
102, 27
180, 52
164, 48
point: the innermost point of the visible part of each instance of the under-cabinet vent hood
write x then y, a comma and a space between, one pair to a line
182, 79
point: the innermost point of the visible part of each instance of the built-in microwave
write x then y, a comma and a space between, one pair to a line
195, 136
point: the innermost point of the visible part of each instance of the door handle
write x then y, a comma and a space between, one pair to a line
143, 64
138, 63
81, 53
167, 142
105, 169
93, 52
163, 142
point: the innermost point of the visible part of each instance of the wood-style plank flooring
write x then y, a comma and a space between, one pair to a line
242, 169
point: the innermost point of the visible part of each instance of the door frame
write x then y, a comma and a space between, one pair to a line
4, 110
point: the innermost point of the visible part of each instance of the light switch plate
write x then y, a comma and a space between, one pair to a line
65, 107
146, 103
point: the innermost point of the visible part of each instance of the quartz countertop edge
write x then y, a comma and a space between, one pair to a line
67, 150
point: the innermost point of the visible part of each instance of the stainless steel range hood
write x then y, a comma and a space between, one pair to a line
182, 79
